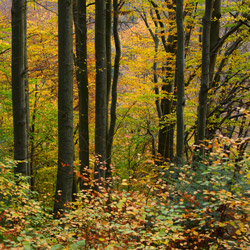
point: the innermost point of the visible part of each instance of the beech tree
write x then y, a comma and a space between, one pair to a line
65, 105
108, 49
203, 94
166, 131
109, 75
80, 22
101, 90
112, 124
19, 86
180, 65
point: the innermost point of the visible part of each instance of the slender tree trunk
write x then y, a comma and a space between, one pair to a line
101, 90
32, 139
203, 94
165, 132
114, 86
82, 79
109, 74
30, 173
65, 106
180, 62
166, 106
19, 74
108, 47
214, 38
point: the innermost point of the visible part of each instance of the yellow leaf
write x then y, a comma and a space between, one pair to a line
222, 224
124, 182
238, 232
248, 175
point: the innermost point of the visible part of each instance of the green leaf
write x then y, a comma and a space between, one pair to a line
57, 247
77, 245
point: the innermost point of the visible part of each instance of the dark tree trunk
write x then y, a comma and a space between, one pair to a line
32, 139
29, 170
108, 47
214, 38
166, 128
203, 94
180, 62
19, 93
65, 106
82, 79
101, 91
109, 72
114, 86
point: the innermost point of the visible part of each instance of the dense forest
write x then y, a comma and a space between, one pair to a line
124, 124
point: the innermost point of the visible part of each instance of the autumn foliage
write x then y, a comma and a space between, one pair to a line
151, 200
194, 210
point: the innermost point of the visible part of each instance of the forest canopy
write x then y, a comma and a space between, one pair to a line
124, 124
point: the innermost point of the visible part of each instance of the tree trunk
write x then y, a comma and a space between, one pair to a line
30, 173
109, 74
214, 38
32, 138
65, 106
180, 62
101, 91
19, 74
108, 45
114, 87
203, 94
165, 132
82, 79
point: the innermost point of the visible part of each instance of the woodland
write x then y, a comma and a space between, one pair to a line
124, 124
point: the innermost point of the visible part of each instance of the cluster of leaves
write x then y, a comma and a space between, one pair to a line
205, 208
21, 217
213, 202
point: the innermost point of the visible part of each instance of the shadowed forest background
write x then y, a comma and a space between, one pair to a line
124, 124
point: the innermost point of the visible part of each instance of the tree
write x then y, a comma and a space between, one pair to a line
19, 93
82, 79
112, 125
65, 105
180, 64
108, 32
166, 132
109, 75
101, 90
203, 94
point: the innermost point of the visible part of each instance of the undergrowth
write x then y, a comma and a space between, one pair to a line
205, 208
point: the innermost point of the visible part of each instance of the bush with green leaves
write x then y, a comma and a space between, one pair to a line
203, 208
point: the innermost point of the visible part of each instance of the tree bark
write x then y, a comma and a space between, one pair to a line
82, 79
114, 86
108, 48
29, 170
165, 132
109, 74
101, 91
32, 139
214, 36
203, 94
180, 62
19, 93
65, 106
